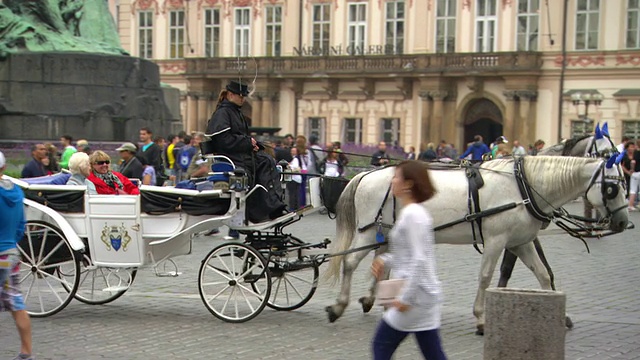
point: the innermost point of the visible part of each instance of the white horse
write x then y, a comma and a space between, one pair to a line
552, 181
598, 145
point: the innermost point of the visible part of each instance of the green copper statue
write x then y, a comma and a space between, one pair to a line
57, 25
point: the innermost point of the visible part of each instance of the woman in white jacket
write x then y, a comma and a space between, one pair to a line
411, 257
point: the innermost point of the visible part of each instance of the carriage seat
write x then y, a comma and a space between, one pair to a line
159, 200
47, 191
55, 179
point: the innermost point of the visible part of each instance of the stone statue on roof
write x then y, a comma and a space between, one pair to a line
57, 25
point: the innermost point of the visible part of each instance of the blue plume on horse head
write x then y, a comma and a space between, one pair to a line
605, 129
614, 160
598, 132
619, 158
611, 161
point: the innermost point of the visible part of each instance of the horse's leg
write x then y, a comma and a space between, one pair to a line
536, 244
506, 268
545, 263
509, 262
489, 260
368, 301
349, 264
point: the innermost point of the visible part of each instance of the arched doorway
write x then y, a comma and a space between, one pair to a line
482, 118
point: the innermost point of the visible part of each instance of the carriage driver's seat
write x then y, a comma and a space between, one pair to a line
224, 174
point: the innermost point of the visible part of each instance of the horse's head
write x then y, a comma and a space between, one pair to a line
600, 144
606, 191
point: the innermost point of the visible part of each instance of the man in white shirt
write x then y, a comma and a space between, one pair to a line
518, 150
620, 146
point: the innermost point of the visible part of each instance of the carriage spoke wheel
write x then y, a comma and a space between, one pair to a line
292, 283
102, 285
49, 269
234, 282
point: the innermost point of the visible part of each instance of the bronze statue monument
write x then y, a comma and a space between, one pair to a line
63, 70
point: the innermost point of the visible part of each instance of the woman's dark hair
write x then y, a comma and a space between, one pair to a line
417, 172
629, 143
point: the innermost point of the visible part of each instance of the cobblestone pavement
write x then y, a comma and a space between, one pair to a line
164, 318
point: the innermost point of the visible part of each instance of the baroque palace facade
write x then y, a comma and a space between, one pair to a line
402, 71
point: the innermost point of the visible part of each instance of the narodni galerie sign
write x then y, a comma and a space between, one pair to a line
350, 50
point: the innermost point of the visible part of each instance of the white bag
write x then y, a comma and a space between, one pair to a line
389, 290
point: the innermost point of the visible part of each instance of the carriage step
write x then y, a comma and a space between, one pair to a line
115, 288
168, 274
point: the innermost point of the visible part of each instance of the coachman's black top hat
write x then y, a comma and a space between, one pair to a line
238, 88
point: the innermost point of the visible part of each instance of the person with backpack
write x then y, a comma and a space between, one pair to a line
184, 156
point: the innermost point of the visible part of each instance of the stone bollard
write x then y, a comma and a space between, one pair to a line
523, 324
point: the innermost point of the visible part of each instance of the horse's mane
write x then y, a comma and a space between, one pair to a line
544, 173
564, 148
571, 143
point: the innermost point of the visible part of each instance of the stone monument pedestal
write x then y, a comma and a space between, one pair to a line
523, 324
93, 96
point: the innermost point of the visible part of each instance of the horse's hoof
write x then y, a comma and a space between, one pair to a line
568, 323
367, 304
480, 330
332, 315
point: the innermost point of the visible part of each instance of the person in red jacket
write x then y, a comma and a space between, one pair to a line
109, 182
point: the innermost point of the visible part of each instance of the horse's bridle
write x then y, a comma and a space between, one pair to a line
609, 189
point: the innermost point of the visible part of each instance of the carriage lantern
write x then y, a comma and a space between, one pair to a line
588, 99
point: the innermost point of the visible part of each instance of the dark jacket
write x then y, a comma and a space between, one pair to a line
33, 168
477, 149
377, 156
229, 134
428, 155
153, 157
132, 169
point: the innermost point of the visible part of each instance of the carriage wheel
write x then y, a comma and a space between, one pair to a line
234, 282
292, 283
49, 269
102, 285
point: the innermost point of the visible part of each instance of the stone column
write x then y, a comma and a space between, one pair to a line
256, 110
201, 123
425, 116
522, 324
437, 127
192, 111
267, 110
527, 127
509, 130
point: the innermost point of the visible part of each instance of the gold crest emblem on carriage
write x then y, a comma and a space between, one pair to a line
115, 237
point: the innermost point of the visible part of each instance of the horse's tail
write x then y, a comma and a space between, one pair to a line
345, 227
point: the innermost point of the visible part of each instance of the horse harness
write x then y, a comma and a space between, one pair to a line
475, 213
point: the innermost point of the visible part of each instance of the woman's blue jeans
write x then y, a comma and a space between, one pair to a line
387, 340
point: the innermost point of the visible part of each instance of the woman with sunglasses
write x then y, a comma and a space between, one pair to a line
108, 182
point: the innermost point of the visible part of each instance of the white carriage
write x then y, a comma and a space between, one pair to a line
89, 247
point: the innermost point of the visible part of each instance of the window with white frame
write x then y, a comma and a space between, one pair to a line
145, 34
212, 32
394, 39
581, 128
390, 131
315, 127
528, 24
273, 22
357, 28
587, 24
633, 24
242, 31
321, 28
631, 128
486, 25
176, 34
352, 131
446, 26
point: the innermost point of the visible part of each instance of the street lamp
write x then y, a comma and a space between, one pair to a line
586, 99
